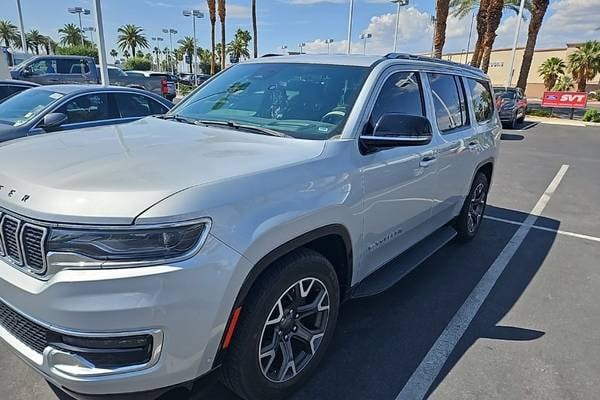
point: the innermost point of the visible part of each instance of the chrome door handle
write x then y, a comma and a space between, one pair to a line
427, 161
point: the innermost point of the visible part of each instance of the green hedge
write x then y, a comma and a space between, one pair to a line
78, 51
591, 115
138, 63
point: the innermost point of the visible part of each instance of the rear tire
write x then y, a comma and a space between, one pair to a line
469, 220
521, 119
285, 327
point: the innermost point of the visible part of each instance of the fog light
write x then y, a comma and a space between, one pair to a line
107, 353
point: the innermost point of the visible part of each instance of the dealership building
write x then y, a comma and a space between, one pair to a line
500, 63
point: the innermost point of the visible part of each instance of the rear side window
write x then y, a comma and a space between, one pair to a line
481, 100
6, 91
401, 93
449, 101
86, 108
72, 66
132, 105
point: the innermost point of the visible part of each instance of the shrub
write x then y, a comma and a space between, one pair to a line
539, 113
138, 63
85, 51
591, 115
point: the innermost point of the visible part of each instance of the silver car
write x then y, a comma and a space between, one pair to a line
226, 234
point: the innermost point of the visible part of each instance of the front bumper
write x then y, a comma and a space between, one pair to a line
507, 115
185, 306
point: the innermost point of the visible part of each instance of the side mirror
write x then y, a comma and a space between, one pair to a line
53, 121
395, 129
26, 72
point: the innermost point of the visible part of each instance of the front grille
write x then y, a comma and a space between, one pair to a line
23, 243
26, 331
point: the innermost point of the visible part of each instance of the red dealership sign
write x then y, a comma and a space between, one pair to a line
565, 99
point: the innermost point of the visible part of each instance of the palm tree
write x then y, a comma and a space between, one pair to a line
494, 15
131, 36
126, 54
70, 35
114, 54
551, 70
238, 47
186, 46
462, 8
8, 33
254, 29
212, 13
221, 4
564, 84
442, 8
34, 39
49, 45
584, 63
538, 10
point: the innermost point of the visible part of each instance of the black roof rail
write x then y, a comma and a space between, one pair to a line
271, 55
407, 56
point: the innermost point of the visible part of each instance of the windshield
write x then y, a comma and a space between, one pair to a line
23, 107
507, 95
308, 101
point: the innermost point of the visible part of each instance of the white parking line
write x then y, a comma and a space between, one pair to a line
543, 228
422, 378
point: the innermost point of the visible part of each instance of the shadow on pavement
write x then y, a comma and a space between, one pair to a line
381, 340
511, 136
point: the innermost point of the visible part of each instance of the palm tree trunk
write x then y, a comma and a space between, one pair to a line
221, 4
581, 82
538, 10
441, 15
254, 29
213, 20
133, 51
481, 28
494, 15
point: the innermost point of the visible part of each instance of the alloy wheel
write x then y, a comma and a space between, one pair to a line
476, 207
294, 330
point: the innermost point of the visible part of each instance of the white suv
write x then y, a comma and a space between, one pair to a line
139, 257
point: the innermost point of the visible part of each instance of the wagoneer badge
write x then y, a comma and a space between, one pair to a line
13, 194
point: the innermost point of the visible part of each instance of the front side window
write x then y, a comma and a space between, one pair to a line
87, 108
136, 105
308, 101
23, 107
448, 101
43, 67
401, 93
481, 100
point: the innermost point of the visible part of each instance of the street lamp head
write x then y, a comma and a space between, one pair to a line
328, 41
400, 2
193, 13
173, 31
366, 36
187, 13
284, 47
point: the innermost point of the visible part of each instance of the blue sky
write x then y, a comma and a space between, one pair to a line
288, 22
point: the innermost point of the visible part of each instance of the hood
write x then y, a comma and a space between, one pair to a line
110, 174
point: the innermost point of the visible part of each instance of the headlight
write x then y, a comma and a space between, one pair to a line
127, 246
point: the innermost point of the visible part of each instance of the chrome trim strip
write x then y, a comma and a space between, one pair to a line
18, 262
398, 138
2, 253
42, 248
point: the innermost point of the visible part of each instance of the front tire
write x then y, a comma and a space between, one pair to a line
285, 327
469, 220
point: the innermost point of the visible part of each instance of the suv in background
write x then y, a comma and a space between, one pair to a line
512, 105
227, 232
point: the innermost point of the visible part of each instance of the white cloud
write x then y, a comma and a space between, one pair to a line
570, 21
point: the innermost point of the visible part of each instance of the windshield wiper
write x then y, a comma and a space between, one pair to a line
251, 128
176, 117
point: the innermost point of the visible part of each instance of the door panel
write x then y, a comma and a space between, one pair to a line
398, 182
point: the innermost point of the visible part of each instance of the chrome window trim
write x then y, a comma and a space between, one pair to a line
2, 252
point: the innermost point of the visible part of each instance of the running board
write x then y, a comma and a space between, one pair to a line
388, 275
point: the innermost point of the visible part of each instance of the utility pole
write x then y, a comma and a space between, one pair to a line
514, 48
350, 27
23, 39
399, 3
101, 45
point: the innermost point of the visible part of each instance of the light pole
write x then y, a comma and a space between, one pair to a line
301, 45
433, 23
364, 37
171, 32
194, 14
157, 40
469, 41
79, 11
90, 29
514, 48
348, 50
101, 46
23, 40
328, 42
399, 3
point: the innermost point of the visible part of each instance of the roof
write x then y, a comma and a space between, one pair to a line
17, 82
70, 89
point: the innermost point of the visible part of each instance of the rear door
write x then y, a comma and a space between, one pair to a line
457, 140
133, 106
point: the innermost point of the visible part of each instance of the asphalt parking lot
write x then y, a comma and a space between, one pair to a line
512, 315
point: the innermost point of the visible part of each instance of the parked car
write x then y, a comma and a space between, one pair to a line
227, 232
54, 69
169, 78
512, 105
10, 86
65, 107
188, 79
